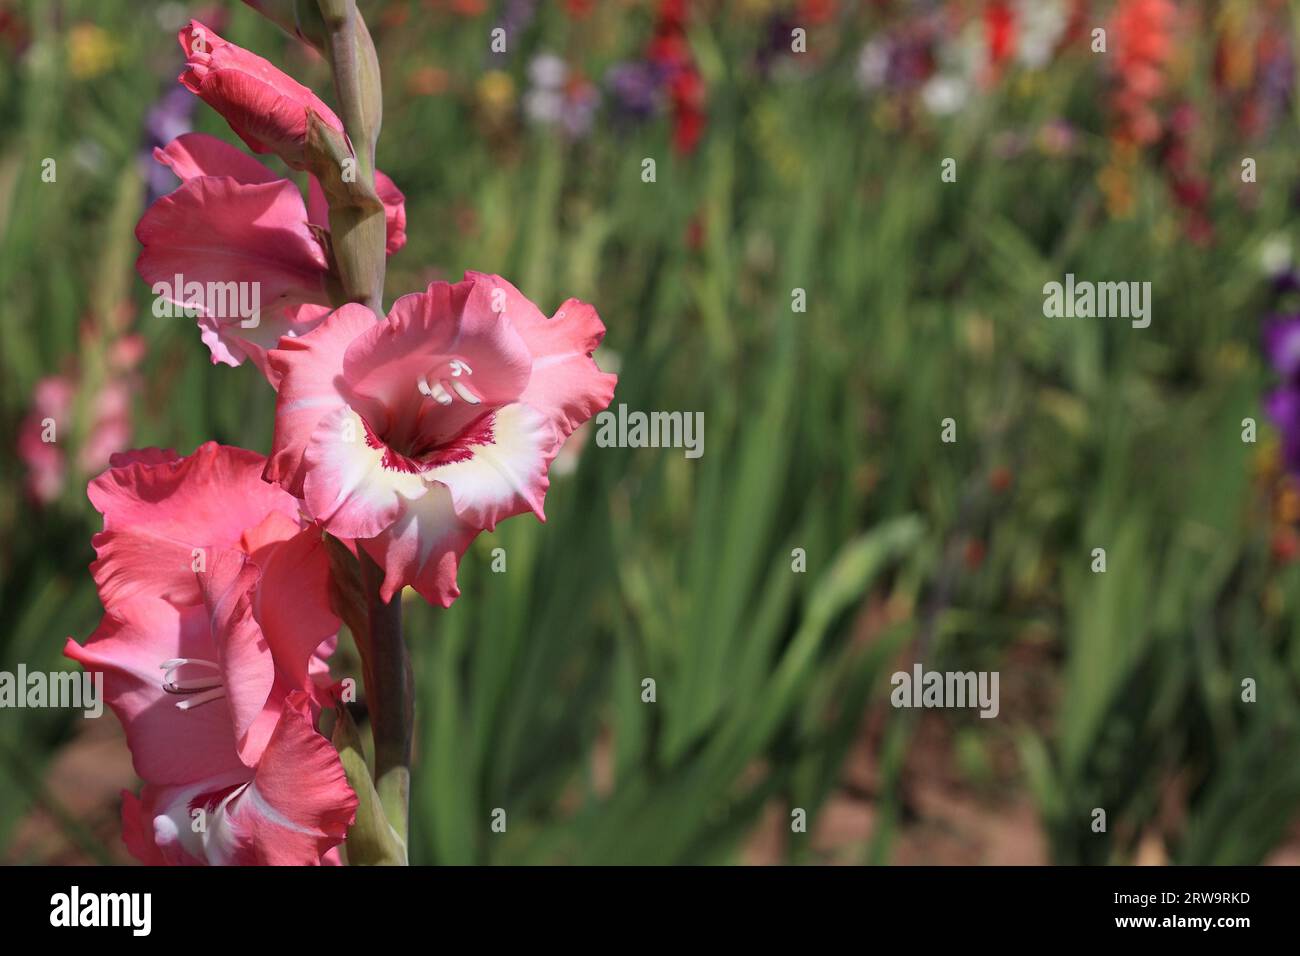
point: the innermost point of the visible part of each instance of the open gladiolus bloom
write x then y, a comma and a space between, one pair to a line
210, 661
413, 434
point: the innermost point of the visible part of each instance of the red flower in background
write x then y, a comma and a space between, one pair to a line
1190, 189
670, 54
816, 12
999, 33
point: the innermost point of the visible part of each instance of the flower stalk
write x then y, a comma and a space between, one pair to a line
359, 233
390, 696
356, 215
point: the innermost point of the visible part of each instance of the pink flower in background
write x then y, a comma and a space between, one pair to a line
47, 433
266, 108
213, 644
45, 461
255, 228
413, 434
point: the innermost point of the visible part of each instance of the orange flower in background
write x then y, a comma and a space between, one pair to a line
1141, 37
816, 12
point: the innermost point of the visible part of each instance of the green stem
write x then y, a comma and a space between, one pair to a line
358, 236
390, 696
358, 229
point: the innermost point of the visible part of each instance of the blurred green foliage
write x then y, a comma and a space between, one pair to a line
822, 433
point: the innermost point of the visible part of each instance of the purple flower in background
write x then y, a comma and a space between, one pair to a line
1283, 407
1282, 346
634, 88
1282, 343
170, 116
515, 18
580, 109
776, 45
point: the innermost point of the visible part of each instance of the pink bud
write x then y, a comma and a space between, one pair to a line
264, 106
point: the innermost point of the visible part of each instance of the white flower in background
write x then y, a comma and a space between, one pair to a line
544, 101
548, 71
945, 95
1275, 254
557, 97
873, 65
1041, 26
960, 63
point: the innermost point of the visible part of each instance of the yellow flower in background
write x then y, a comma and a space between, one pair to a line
1116, 184
92, 51
1268, 462
755, 9
1237, 47
1287, 508
1116, 180
496, 93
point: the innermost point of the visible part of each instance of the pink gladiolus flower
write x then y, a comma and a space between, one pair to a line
166, 516
214, 725
232, 219
292, 810
266, 108
46, 432
213, 644
413, 434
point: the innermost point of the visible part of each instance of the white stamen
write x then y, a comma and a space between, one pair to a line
175, 662
180, 686
205, 688
465, 393
189, 703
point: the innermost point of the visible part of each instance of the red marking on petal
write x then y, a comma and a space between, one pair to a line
461, 448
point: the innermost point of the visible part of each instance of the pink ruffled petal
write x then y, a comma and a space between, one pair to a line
192, 155
221, 234
297, 806
143, 456
169, 744
247, 667
422, 548
566, 383
163, 517
292, 321
309, 370
394, 211
504, 475
292, 810
292, 603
